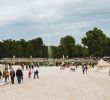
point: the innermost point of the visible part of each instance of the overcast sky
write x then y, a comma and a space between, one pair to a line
52, 19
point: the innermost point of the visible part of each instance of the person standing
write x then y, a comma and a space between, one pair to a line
12, 75
19, 75
32, 66
26, 67
36, 72
86, 68
72, 68
29, 73
22, 66
0, 74
83, 68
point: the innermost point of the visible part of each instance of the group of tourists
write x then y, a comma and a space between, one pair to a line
72, 66
9, 73
35, 71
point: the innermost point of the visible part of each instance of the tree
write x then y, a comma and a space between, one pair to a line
107, 48
80, 51
60, 51
10, 46
68, 42
3, 50
37, 45
96, 41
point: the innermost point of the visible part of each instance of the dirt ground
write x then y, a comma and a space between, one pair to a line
56, 85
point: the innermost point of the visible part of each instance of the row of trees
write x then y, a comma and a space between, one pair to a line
95, 43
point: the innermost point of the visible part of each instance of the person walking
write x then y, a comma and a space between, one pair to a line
19, 75
12, 75
6, 74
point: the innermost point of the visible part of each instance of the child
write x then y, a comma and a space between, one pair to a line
29, 73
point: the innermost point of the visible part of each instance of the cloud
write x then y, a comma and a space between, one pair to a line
52, 18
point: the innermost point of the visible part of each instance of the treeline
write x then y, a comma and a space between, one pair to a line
95, 43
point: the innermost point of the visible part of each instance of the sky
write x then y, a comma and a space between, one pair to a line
52, 19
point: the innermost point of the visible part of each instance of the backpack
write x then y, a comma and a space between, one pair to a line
36, 72
7, 74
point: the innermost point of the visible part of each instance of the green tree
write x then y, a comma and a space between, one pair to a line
3, 50
80, 51
107, 48
10, 45
60, 51
37, 45
68, 42
96, 41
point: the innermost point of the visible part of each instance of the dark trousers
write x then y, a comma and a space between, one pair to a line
19, 79
6, 79
83, 71
12, 80
0, 77
36, 74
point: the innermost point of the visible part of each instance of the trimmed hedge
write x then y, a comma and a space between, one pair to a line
53, 63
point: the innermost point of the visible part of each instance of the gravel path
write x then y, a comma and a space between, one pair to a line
54, 85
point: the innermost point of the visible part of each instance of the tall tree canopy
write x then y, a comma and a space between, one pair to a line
96, 41
68, 42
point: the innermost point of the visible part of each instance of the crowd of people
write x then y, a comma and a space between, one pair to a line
73, 67
8, 73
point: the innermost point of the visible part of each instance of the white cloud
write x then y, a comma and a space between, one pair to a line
29, 9
52, 17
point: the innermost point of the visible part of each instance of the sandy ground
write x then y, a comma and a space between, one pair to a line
54, 85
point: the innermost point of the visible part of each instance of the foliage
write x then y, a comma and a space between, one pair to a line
96, 43
68, 43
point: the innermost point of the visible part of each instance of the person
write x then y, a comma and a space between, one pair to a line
93, 65
36, 72
6, 74
29, 73
10, 66
38, 65
26, 66
12, 75
22, 66
83, 68
62, 66
76, 66
0, 74
86, 68
29, 66
19, 75
72, 68
32, 66
22, 77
